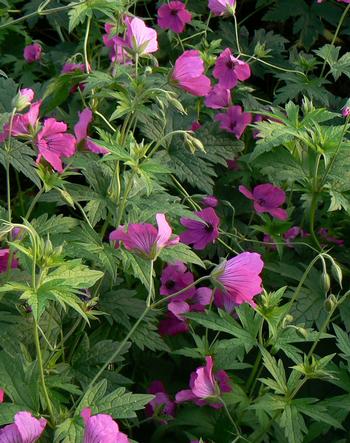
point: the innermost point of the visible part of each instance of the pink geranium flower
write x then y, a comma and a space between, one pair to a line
323, 232
221, 7
4, 258
218, 98
101, 428
174, 278
54, 143
210, 201
117, 53
25, 429
2, 395
195, 126
239, 279
80, 131
229, 69
205, 386
188, 74
32, 53
234, 120
198, 233
23, 124
139, 37
23, 99
174, 16
267, 198
161, 405
144, 238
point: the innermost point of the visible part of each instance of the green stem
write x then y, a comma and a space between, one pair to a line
86, 40
33, 203
121, 209
342, 18
313, 209
41, 370
236, 35
8, 179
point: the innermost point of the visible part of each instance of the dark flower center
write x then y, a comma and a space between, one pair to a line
209, 228
261, 202
233, 126
230, 64
174, 12
170, 284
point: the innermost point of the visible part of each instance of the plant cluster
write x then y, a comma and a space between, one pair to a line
173, 214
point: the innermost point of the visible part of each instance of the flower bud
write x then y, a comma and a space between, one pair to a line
287, 319
325, 281
302, 332
23, 99
331, 303
345, 111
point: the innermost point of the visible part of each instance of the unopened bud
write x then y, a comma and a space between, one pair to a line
287, 319
337, 272
302, 332
331, 303
23, 99
325, 281
345, 111
67, 197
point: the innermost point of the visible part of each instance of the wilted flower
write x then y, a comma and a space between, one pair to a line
161, 405
22, 124
229, 69
210, 201
118, 53
234, 120
32, 53
201, 233
238, 278
188, 74
139, 37
144, 238
23, 99
174, 278
205, 387
218, 98
4, 258
25, 429
221, 7
54, 143
80, 131
101, 428
174, 16
267, 198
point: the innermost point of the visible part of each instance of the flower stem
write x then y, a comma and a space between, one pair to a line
86, 40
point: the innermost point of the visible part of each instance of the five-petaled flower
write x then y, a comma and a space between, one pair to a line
25, 429
188, 74
54, 143
206, 387
234, 120
101, 428
238, 279
267, 198
201, 233
139, 37
229, 69
174, 16
144, 238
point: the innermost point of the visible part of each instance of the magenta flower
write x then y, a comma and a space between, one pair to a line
54, 143
218, 98
71, 67
25, 429
2, 395
139, 37
232, 165
117, 53
32, 53
161, 406
174, 16
172, 325
101, 428
188, 74
293, 233
195, 126
174, 278
23, 124
238, 278
234, 120
267, 198
345, 111
221, 7
23, 99
205, 387
144, 238
210, 201
198, 233
229, 69
4, 258
80, 131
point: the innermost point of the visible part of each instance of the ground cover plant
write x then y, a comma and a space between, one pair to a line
174, 218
